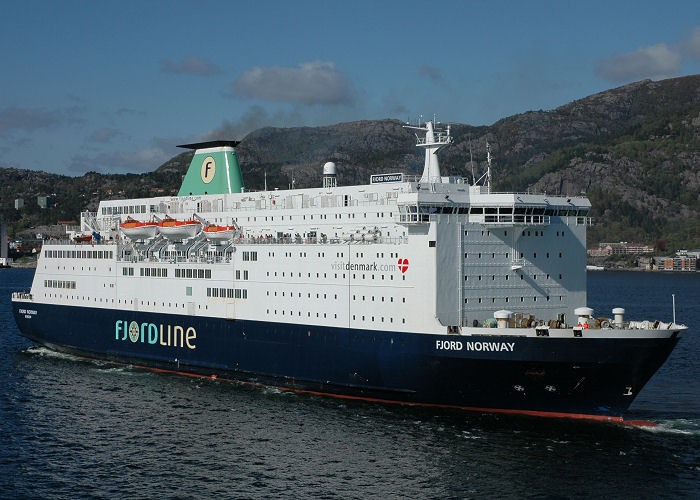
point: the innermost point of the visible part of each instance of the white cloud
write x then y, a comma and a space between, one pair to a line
31, 119
316, 82
656, 62
254, 118
691, 45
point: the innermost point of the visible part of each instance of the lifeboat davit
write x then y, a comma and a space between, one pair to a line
137, 230
219, 233
174, 229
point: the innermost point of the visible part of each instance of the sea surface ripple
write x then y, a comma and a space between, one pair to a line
71, 428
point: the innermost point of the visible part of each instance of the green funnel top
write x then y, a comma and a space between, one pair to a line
214, 169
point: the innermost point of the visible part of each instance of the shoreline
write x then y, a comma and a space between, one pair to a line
636, 270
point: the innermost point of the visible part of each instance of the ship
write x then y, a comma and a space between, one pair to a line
425, 290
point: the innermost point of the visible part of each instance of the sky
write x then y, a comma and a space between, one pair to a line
115, 86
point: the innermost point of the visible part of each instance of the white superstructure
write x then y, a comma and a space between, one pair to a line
430, 255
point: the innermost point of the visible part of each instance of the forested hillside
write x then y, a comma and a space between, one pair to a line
634, 150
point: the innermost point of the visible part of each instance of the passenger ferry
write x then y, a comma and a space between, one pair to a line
415, 290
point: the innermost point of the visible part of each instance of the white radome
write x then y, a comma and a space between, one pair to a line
329, 168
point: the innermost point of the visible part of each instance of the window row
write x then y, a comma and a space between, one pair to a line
78, 254
127, 209
492, 255
193, 273
308, 295
507, 277
308, 314
238, 274
323, 216
391, 299
59, 284
363, 298
381, 318
340, 255
481, 300
228, 293
552, 212
290, 274
505, 233
156, 272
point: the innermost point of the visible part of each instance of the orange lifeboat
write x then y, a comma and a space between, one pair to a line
174, 229
137, 230
219, 233
83, 238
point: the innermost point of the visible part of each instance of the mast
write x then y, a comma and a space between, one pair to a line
434, 141
471, 160
488, 169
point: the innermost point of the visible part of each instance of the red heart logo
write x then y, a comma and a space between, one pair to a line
403, 265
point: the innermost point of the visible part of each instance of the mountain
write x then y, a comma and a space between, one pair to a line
634, 150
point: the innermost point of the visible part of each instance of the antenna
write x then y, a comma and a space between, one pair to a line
471, 160
488, 161
434, 140
265, 180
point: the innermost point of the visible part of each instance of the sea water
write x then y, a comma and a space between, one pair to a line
71, 428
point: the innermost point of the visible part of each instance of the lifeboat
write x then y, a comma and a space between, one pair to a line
219, 233
173, 229
82, 238
137, 230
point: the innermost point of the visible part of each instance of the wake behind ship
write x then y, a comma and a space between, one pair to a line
416, 290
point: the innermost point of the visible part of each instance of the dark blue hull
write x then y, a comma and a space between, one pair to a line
596, 378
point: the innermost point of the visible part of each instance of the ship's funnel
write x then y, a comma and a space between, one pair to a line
214, 169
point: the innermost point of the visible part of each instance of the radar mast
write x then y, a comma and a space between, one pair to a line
435, 139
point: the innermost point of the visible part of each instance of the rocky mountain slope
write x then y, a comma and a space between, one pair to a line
634, 150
